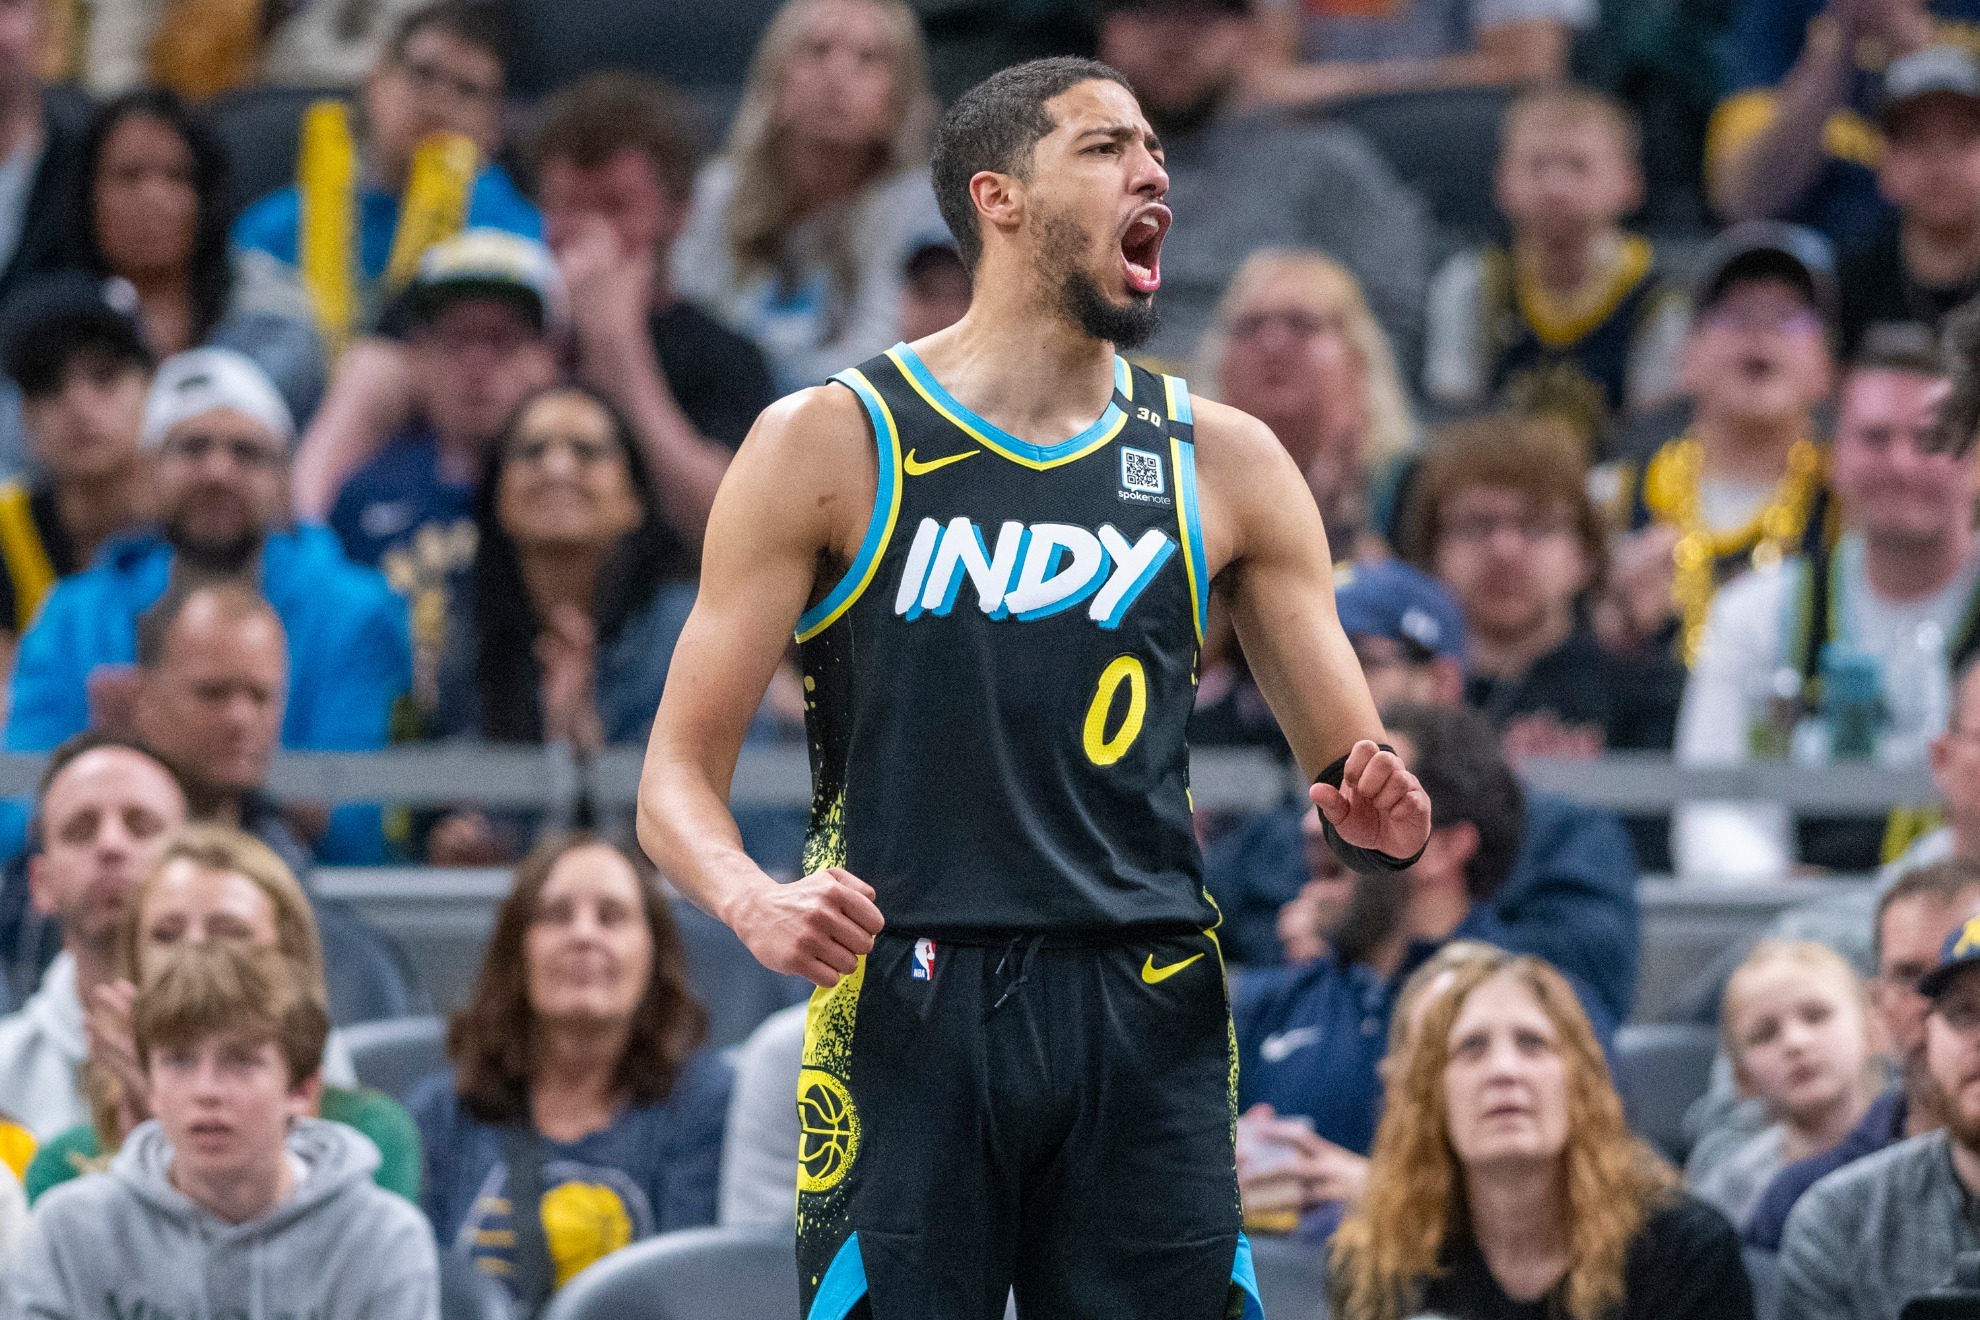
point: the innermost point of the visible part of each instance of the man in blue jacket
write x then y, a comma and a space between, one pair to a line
220, 435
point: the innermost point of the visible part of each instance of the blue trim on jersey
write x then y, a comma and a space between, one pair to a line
1135, 588
886, 508
1245, 1275
1106, 428
1192, 529
1177, 390
845, 1283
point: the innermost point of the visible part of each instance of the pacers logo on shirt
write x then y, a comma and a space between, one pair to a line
1034, 573
828, 1131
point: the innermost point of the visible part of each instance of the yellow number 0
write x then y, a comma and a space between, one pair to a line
1100, 749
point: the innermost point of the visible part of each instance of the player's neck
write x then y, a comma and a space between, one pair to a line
1029, 372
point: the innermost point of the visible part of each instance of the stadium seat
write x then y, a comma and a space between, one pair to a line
739, 991
1661, 1068
468, 1294
1444, 144
698, 1274
1763, 1270
258, 129
1292, 1277
391, 1056
369, 975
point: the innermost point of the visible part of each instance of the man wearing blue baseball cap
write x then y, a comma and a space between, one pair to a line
1867, 1239
1406, 630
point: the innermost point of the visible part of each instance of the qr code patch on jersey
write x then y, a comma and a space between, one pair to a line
1141, 471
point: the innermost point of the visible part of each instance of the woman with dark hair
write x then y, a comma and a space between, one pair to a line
580, 1113
1505, 1184
150, 208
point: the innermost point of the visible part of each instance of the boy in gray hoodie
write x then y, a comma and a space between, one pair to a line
232, 1203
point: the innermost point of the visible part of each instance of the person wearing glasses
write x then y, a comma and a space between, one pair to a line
218, 436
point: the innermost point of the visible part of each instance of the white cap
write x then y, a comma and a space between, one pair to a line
204, 380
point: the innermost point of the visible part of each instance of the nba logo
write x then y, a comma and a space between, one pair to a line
924, 960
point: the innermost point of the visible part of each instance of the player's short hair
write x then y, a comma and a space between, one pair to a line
603, 114
1570, 106
994, 126
232, 988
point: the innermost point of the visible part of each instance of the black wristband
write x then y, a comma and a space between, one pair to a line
1366, 861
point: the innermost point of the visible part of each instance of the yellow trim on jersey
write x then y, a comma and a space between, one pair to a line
1102, 432
880, 530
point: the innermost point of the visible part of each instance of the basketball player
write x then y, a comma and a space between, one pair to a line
996, 549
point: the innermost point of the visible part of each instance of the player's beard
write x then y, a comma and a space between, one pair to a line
1126, 325
1374, 913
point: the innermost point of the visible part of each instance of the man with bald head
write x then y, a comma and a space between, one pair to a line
104, 812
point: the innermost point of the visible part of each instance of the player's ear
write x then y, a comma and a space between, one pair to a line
999, 199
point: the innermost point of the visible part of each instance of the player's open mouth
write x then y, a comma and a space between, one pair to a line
1141, 248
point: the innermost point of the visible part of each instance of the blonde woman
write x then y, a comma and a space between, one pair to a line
1504, 1182
801, 231
1295, 345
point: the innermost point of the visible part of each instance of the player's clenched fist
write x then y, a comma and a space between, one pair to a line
818, 927
1379, 805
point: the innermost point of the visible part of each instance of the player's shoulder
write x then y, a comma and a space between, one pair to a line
1233, 443
814, 426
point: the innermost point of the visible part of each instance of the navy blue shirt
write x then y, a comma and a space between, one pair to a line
385, 503
1881, 1125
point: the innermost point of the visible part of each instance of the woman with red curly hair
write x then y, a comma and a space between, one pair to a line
1504, 1183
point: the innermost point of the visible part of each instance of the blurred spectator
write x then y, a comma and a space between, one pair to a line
968, 40
799, 234
203, 47
1325, 50
1573, 320
1504, 1180
103, 816
1880, 617
1869, 1238
580, 1114
567, 625
150, 210
1310, 1036
220, 436
1743, 487
937, 292
39, 131
1242, 181
1955, 758
212, 884
1796, 139
235, 1199
1914, 918
83, 372
212, 665
1797, 1027
762, 1136
485, 310
326, 43
1571, 894
361, 214
1501, 515
1925, 261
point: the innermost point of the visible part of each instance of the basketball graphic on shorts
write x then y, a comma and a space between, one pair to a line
828, 1131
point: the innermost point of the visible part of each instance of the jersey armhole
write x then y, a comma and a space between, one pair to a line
1189, 522
880, 527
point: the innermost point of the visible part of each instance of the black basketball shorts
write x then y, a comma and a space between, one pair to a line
1051, 1117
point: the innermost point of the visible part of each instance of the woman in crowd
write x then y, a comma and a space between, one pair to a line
1796, 1020
801, 232
212, 883
1505, 1183
151, 212
567, 625
581, 1113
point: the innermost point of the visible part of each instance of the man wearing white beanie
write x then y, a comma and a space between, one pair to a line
220, 435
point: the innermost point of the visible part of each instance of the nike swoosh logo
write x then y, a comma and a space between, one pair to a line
1275, 1048
915, 469
1156, 975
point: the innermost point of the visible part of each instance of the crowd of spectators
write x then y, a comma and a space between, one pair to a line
1669, 454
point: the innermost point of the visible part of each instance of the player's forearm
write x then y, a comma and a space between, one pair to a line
685, 826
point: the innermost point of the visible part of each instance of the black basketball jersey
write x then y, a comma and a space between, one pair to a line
997, 690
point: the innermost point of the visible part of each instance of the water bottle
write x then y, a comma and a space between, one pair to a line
1852, 701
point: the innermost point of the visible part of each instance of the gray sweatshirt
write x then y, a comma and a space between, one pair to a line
125, 1244
1874, 1234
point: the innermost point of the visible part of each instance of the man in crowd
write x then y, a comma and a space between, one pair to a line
1744, 485
220, 434
102, 816
1914, 918
1924, 261
1249, 181
84, 371
442, 73
1888, 608
41, 132
1865, 1240
1570, 896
